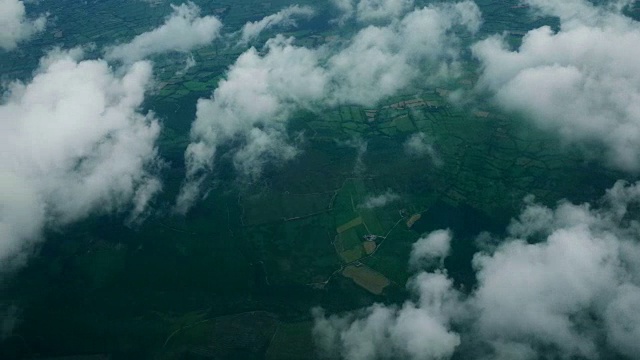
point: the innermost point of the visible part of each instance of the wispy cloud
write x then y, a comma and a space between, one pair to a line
283, 18
182, 31
418, 145
372, 10
377, 201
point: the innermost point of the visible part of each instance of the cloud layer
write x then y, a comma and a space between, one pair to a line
73, 143
564, 283
262, 89
182, 31
582, 81
14, 25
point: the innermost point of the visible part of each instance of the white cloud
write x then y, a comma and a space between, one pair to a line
73, 143
573, 293
262, 90
284, 17
431, 249
346, 8
14, 26
182, 31
252, 104
580, 12
377, 201
189, 63
262, 146
372, 10
417, 330
419, 145
381, 60
582, 82
360, 146
153, 3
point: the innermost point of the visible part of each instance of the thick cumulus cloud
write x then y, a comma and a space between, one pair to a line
582, 81
284, 17
262, 89
564, 283
14, 25
72, 143
182, 31
431, 249
420, 329
416, 330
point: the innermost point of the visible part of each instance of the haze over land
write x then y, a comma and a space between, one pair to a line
361, 179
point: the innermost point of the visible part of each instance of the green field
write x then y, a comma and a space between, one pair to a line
237, 277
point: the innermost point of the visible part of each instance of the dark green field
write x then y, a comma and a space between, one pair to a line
236, 278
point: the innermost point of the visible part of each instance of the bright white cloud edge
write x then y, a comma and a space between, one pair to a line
73, 143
